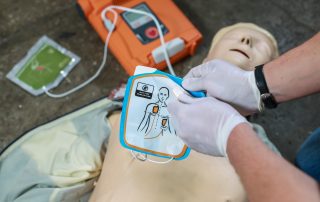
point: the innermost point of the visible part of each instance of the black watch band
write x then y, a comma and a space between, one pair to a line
266, 97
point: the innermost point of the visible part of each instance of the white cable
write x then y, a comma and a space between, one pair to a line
136, 155
145, 158
163, 45
105, 53
93, 77
160, 162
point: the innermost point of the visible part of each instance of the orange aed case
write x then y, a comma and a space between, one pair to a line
135, 40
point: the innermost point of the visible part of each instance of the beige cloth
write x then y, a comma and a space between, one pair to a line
58, 161
198, 178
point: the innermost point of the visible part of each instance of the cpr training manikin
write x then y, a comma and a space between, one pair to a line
199, 177
78, 156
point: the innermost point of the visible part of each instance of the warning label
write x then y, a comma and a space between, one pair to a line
144, 90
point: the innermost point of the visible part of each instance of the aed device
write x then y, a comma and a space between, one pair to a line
135, 39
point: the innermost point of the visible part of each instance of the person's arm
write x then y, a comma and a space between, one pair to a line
212, 127
296, 73
292, 75
265, 175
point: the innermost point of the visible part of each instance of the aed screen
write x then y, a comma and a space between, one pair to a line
142, 25
136, 20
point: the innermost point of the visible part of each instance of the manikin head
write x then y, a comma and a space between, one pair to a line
243, 44
163, 94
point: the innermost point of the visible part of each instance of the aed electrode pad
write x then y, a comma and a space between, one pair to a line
45, 66
146, 125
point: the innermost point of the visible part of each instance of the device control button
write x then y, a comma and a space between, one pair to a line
151, 32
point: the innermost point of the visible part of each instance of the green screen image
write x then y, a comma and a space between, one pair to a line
43, 67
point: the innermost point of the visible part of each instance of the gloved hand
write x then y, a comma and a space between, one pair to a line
225, 82
204, 124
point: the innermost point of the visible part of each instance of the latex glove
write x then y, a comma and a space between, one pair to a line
226, 82
204, 124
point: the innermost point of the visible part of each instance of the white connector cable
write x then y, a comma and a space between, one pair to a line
110, 25
137, 156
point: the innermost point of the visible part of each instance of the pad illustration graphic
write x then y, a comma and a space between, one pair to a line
146, 125
156, 121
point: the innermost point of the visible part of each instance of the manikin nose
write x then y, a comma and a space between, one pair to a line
247, 40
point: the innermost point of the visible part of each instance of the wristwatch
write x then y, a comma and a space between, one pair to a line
267, 98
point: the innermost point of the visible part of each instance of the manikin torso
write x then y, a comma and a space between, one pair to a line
199, 177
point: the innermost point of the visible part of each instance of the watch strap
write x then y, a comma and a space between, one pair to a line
266, 97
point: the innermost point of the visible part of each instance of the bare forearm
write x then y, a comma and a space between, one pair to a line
266, 176
296, 73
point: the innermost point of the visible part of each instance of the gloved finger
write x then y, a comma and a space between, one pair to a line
182, 95
177, 91
179, 113
202, 70
195, 72
180, 106
218, 101
193, 84
175, 109
187, 99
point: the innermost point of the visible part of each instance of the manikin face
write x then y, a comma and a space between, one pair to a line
244, 47
163, 94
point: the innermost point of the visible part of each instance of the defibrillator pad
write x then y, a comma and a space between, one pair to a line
45, 65
146, 125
